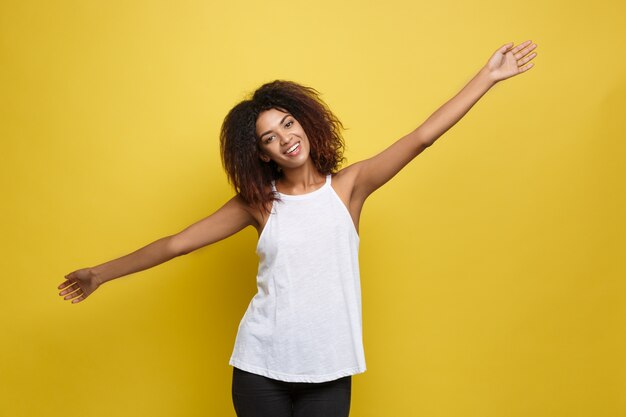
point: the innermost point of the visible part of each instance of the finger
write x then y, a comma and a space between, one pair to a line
74, 295
522, 61
505, 48
71, 288
520, 46
69, 280
524, 51
79, 299
65, 284
526, 67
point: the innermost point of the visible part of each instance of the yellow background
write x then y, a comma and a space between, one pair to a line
492, 267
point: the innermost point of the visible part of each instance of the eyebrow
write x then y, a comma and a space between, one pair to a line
281, 122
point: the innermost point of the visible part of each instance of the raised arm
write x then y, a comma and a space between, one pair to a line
228, 220
506, 62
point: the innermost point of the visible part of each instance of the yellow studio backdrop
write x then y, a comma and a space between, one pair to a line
492, 266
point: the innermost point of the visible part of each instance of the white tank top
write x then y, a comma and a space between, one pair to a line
304, 323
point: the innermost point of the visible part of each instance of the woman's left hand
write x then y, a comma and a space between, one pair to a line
509, 61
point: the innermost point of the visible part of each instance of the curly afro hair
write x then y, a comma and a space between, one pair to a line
239, 144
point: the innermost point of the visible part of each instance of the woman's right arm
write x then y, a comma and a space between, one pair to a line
228, 220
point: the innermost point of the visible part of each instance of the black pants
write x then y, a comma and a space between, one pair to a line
258, 396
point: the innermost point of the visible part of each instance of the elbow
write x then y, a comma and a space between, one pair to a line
425, 144
427, 140
176, 247
424, 137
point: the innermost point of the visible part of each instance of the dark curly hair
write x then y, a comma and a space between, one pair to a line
239, 143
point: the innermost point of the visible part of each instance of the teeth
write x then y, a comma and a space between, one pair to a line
293, 148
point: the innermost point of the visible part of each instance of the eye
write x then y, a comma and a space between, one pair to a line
269, 139
289, 123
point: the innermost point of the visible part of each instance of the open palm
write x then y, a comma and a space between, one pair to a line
78, 285
509, 61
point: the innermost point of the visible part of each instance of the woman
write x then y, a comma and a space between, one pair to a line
300, 339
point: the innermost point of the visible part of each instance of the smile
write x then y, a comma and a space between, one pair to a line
294, 149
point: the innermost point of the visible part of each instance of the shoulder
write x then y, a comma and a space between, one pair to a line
257, 214
238, 204
345, 179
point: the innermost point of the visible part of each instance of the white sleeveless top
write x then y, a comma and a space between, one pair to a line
304, 323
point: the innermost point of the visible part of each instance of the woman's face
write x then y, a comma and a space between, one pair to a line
282, 139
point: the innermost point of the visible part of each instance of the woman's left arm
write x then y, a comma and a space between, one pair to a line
506, 62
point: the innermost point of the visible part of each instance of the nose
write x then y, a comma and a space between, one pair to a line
284, 139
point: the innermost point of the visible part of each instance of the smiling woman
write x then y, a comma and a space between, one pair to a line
255, 130
300, 340
284, 142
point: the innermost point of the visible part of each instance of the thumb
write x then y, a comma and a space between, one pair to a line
504, 48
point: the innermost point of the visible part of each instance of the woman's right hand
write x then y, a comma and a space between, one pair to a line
79, 285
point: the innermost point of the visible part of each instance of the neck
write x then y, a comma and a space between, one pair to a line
301, 180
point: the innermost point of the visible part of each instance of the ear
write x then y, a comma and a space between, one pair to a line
264, 157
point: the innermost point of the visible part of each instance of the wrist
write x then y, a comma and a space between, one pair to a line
486, 77
95, 276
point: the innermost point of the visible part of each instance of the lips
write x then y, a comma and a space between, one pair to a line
293, 150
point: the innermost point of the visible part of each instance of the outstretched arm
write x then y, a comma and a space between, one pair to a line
506, 62
228, 220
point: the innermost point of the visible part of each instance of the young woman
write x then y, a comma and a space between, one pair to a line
300, 339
